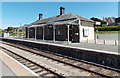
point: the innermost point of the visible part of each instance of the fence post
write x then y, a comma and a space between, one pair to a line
115, 42
104, 41
95, 41
97, 36
87, 40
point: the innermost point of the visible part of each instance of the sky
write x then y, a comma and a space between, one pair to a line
16, 13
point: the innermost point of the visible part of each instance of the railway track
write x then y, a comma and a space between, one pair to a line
37, 68
87, 66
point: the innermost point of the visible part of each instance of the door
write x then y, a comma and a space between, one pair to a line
74, 33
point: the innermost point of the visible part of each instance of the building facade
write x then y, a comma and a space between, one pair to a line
64, 27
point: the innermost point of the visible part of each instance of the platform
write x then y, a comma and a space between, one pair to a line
92, 46
5, 70
107, 58
11, 67
101, 47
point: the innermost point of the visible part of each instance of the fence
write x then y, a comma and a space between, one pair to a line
99, 41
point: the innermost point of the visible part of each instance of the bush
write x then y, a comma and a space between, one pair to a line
104, 25
108, 28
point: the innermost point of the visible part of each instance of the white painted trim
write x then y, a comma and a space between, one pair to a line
74, 20
19, 63
68, 33
40, 25
79, 30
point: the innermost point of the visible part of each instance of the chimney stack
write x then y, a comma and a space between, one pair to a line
40, 16
62, 10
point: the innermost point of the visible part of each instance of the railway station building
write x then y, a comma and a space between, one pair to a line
63, 27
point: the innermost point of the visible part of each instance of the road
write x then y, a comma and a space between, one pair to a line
112, 36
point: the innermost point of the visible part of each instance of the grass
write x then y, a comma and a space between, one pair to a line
107, 32
15, 33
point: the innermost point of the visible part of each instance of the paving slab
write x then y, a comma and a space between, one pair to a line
6, 71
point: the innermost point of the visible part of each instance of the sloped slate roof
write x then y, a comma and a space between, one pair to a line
61, 18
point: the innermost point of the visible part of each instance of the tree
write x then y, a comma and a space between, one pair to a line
103, 23
10, 29
95, 19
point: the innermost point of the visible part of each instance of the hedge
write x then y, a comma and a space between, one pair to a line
107, 32
108, 28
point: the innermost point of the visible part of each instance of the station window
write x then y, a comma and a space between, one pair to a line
85, 32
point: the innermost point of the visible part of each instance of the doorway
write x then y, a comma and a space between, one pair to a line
74, 33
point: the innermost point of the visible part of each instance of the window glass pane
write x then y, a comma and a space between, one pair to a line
85, 32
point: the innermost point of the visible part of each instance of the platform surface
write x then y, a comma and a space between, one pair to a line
102, 47
6, 71
11, 67
92, 46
